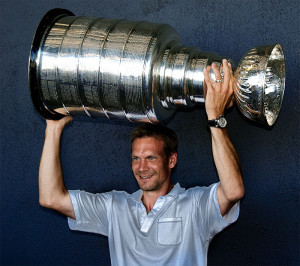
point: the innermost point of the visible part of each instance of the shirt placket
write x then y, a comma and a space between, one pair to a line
146, 220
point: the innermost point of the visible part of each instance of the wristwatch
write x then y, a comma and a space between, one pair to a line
220, 122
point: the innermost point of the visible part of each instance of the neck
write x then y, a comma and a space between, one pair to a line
150, 197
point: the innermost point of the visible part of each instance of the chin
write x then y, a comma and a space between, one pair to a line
149, 187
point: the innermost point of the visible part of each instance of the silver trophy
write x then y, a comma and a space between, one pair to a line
138, 70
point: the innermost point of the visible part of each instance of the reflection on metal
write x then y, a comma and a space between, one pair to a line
259, 83
138, 70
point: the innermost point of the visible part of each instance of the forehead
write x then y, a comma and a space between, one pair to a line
147, 145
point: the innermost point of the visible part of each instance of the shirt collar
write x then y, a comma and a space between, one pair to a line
177, 189
173, 193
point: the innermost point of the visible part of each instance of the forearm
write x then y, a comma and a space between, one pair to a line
51, 184
228, 165
218, 98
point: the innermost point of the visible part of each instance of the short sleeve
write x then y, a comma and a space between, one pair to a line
90, 212
209, 214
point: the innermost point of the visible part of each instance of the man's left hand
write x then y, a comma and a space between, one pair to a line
219, 94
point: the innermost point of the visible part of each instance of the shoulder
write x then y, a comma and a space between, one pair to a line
108, 199
99, 194
201, 189
122, 195
103, 196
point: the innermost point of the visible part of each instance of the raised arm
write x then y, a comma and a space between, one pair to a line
52, 191
219, 97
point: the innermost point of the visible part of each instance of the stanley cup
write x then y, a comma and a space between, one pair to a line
139, 71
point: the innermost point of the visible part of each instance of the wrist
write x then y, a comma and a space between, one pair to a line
53, 130
219, 122
214, 115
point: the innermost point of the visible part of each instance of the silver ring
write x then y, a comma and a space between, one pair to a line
219, 80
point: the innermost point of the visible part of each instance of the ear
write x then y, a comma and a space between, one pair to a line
173, 160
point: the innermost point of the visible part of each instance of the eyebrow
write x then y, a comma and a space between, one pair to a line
147, 156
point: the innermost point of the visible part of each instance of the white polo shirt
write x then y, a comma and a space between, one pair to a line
177, 231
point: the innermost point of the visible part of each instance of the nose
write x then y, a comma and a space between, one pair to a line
143, 166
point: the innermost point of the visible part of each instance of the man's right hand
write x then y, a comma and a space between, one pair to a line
59, 124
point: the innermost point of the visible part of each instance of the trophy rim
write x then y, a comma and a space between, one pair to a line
44, 26
271, 119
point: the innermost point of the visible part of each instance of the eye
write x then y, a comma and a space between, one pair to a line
151, 158
135, 158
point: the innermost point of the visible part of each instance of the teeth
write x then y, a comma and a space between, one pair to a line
144, 177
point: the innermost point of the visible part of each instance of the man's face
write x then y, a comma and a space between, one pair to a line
150, 165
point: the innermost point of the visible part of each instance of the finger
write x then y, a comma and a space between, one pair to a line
230, 68
233, 98
216, 70
208, 84
68, 119
206, 75
222, 72
226, 70
231, 85
231, 81
231, 101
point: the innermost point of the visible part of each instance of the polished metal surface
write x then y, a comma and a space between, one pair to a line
259, 82
136, 70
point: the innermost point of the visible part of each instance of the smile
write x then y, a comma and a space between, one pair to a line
145, 177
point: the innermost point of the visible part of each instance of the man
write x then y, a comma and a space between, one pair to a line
161, 224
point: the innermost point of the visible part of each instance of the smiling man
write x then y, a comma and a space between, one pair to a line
162, 223
153, 161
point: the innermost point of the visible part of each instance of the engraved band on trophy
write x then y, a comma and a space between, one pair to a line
138, 70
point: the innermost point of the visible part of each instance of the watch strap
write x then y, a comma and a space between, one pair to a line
219, 122
212, 123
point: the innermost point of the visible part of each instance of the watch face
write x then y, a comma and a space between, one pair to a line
222, 122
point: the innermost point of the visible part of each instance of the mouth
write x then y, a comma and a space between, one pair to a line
146, 176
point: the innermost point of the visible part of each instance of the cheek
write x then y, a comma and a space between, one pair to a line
135, 166
159, 168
